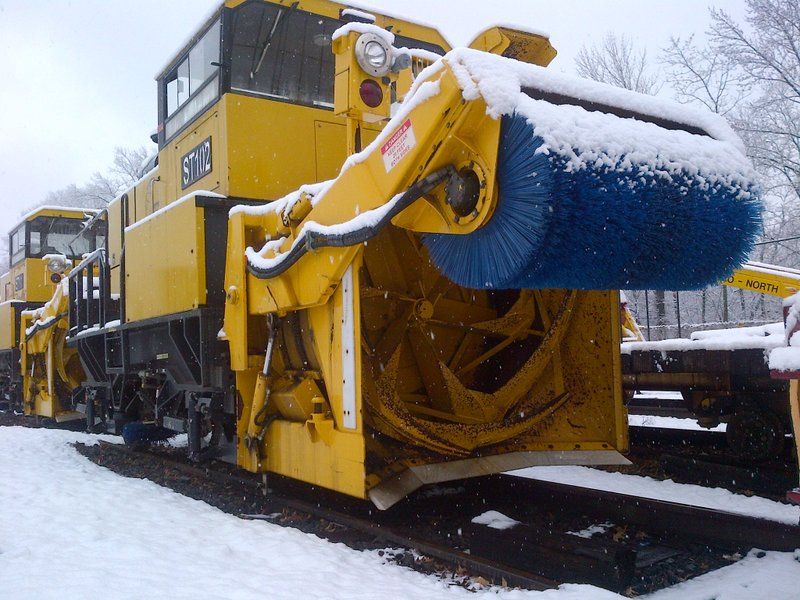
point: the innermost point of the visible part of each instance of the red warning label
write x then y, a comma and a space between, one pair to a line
397, 146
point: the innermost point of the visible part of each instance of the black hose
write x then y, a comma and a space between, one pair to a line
41, 327
314, 240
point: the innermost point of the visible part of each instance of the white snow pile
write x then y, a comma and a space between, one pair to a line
766, 337
787, 359
598, 139
592, 530
671, 423
761, 575
359, 14
70, 529
362, 28
495, 520
647, 487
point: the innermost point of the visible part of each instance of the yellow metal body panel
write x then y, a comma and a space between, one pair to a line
6, 292
8, 328
165, 263
794, 405
339, 465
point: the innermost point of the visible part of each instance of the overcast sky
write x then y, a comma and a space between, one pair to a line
78, 74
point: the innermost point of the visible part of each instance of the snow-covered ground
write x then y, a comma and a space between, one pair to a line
647, 487
71, 529
671, 423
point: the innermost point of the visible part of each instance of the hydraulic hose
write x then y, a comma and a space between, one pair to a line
315, 240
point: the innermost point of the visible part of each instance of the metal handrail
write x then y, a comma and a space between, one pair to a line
86, 311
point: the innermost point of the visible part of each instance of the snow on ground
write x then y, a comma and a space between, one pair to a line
72, 529
671, 423
495, 520
767, 575
647, 487
659, 395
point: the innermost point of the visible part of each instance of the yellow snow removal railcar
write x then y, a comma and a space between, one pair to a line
42, 249
247, 114
313, 335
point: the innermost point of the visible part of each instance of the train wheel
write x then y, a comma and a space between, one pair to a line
755, 435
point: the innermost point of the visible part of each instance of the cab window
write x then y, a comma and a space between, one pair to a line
57, 235
285, 54
17, 245
193, 85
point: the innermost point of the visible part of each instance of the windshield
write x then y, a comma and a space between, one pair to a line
58, 235
285, 54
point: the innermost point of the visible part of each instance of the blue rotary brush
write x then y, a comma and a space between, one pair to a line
593, 196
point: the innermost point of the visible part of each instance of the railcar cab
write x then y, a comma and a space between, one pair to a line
47, 232
246, 108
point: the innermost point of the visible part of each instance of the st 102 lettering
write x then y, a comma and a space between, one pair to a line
196, 163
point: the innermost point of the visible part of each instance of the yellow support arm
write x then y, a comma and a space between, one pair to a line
762, 278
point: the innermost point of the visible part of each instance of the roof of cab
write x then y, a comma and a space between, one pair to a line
326, 8
58, 211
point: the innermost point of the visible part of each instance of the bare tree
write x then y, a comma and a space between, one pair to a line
768, 54
750, 73
128, 167
703, 75
618, 62
130, 164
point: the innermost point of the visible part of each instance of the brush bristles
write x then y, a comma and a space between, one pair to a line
598, 228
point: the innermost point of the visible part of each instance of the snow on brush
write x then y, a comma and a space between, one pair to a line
598, 139
71, 529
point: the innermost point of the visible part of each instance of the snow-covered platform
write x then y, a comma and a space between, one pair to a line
63, 536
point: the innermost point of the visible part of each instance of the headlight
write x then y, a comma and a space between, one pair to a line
57, 265
374, 54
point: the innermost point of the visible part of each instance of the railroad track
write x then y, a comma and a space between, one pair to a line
703, 458
536, 554
352, 517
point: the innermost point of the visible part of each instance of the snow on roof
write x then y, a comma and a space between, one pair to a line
766, 337
787, 358
602, 139
88, 211
392, 15
362, 28
172, 205
358, 14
